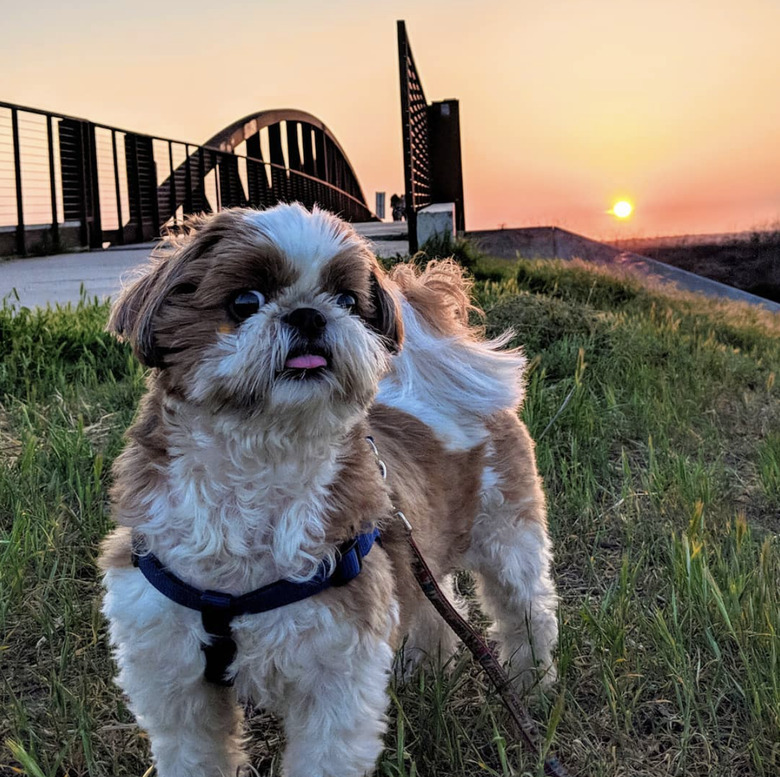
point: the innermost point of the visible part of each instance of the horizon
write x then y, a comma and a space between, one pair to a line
565, 109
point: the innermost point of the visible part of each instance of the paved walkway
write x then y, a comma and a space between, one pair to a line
59, 279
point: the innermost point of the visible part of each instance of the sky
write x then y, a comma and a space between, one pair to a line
566, 105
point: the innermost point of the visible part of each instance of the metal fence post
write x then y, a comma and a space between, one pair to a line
21, 243
55, 221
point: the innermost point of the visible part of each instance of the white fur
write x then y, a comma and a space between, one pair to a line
452, 384
242, 506
334, 691
309, 240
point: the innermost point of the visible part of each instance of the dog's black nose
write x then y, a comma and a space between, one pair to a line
308, 321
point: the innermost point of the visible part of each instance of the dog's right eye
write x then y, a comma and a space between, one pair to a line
246, 304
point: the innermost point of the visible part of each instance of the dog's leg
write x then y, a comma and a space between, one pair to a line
430, 641
334, 715
511, 554
195, 727
195, 732
515, 590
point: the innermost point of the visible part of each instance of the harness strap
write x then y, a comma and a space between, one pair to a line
221, 650
218, 609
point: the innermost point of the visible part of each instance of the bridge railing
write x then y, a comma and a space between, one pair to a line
67, 182
433, 170
415, 136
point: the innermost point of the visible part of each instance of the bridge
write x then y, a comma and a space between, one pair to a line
69, 182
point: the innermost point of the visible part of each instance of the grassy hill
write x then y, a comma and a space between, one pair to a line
657, 420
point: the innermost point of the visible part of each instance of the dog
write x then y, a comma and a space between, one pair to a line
299, 397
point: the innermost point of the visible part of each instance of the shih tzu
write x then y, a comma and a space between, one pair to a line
258, 554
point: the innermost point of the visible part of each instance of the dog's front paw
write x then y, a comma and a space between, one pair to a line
530, 666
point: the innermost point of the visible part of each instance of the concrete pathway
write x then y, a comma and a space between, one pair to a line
59, 279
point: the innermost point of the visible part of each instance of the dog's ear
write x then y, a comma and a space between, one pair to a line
168, 276
387, 314
127, 311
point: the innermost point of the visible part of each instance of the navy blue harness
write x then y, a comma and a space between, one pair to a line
218, 609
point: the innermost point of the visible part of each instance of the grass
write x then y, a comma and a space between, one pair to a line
656, 421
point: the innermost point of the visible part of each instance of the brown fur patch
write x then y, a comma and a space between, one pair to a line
357, 271
138, 470
357, 497
350, 271
116, 549
514, 461
441, 294
438, 492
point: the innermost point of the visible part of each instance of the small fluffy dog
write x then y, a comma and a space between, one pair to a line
278, 345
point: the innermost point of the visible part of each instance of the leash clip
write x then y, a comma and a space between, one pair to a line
405, 521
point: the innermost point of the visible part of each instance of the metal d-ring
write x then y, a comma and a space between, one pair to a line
380, 463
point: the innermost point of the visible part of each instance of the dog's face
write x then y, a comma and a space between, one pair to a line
264, 310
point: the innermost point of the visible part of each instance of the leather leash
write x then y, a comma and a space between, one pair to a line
483, 655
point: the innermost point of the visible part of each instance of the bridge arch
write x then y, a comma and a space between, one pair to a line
298, 141
272, 156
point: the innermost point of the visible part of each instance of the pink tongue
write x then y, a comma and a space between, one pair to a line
306, 362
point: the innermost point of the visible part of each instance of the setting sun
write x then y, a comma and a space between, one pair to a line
622, 209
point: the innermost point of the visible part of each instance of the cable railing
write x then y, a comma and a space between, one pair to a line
66, 182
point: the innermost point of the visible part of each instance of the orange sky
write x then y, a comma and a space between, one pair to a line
566, 105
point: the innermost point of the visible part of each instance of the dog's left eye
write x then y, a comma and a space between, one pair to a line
246, 303
346, 300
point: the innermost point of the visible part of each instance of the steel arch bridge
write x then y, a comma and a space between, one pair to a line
70, 182
265, 158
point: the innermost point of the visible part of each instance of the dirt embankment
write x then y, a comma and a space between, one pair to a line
750, 262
